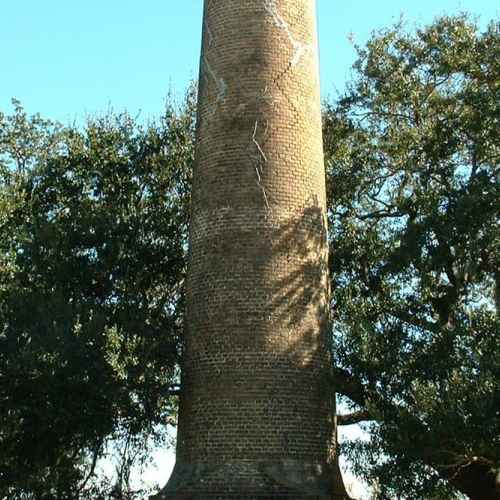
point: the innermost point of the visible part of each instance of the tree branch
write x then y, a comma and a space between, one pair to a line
381, 214
347, 385
95, 457
475, 478
415, 321
354, 418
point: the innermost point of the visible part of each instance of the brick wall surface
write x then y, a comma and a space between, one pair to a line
255, 419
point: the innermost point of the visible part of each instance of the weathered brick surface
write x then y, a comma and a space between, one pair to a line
254, 419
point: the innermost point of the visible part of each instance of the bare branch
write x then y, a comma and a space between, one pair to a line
381, 214
415, 320
354, 418
95, 456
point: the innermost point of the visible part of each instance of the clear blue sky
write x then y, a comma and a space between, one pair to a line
69, 58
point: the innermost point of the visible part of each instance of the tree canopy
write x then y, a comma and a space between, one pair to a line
93, 244
92, 259
413, 165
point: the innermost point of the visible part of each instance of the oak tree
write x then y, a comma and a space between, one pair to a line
413, 170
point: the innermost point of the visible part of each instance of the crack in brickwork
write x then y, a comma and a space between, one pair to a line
299, 48
208, 71
219, 82
259, 163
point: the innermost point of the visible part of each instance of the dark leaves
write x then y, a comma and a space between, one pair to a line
412, 180
93, 239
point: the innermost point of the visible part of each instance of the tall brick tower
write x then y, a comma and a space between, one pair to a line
255, 419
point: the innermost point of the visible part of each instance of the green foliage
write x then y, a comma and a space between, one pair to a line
93, 235
413, 165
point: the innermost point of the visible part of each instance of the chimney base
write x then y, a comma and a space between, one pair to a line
285, 480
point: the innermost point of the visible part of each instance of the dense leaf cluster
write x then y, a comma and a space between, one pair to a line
92, 260
413, 170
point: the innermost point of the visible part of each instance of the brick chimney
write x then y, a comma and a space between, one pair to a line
256, 409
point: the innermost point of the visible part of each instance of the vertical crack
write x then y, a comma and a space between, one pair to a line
299, 48
259, 163
208, 71
220, 83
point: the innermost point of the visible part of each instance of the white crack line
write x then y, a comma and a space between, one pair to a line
219, 82
209, 33
258, 167
299, 48
264, 157
207, 27
265, 95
